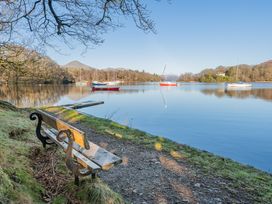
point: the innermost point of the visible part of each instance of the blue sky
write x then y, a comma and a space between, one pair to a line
191, 35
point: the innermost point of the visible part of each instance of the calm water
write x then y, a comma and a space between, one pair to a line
232, 123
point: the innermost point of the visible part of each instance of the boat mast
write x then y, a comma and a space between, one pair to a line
236, 72
163, 70
80, 75
237, 66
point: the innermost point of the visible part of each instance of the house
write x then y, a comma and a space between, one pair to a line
222, 74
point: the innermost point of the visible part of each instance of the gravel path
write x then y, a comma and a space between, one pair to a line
150, 176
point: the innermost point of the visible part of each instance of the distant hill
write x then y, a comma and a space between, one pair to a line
241, 72
81, 71
266, 64
77, 64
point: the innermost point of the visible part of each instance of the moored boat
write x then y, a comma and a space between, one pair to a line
97, 83
240, 85
112, 83
168, 83
105, 88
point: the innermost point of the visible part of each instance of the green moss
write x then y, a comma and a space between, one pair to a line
256, 182
59, 200
5, 187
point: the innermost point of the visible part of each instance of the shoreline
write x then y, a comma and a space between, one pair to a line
180, 144
257, 182
171, 141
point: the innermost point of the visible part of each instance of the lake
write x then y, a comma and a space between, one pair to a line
233, 123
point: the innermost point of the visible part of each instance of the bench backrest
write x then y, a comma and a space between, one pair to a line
79, 136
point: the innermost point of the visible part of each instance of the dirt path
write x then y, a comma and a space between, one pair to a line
150, 176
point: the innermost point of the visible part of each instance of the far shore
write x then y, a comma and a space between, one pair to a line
124, 83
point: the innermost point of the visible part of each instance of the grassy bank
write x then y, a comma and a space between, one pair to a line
17, 183
20, 181
256, 182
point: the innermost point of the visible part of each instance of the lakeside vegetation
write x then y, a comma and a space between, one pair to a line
254, 181
248, 73
21, 180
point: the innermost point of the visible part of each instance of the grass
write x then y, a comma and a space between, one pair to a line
97, 192
17, 182
90, 192
254, 181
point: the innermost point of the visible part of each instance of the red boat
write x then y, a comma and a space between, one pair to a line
105, 88
168, 83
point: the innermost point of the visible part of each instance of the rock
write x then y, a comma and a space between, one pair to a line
153, 160
218, 200
197, 185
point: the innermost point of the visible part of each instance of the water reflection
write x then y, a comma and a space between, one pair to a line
32, 96
36, 96
265, 94
23, 95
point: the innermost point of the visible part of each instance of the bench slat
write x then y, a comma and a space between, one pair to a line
91, 165
79, 136
98, 155
101, 156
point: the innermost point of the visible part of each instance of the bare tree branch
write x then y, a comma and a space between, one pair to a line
85, 21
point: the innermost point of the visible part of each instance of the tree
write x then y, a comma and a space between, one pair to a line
18, 64
40, 21
13, 58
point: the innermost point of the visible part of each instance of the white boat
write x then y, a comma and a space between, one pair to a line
98, 83
240, 85
112, 83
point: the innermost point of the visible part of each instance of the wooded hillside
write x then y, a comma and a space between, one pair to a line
243, 72
82, 72
18, 64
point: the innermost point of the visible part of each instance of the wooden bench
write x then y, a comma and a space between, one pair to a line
82, 156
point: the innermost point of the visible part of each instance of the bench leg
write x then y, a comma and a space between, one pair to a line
43, 138
94, 176
76, 180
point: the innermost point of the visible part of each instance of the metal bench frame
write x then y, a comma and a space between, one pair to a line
80, 159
